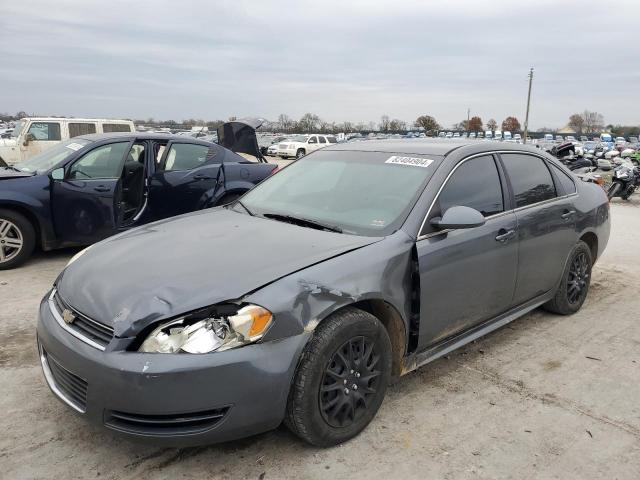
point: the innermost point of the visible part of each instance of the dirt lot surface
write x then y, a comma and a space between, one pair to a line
545, 397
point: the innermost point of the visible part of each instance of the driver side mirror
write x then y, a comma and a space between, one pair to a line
458, 217
30, 137
57, 174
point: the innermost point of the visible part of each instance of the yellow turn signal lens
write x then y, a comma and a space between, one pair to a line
251, 322
261, 321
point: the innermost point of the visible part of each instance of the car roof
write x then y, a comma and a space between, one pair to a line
95, 137
436, 147
72, 119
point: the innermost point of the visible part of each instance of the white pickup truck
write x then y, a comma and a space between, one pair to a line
36, 134
301, 145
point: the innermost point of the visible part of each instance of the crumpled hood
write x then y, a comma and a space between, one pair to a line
188, 262
6, 173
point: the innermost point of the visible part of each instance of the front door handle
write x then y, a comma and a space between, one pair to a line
568, 214
504, 235
102, 188
202, 176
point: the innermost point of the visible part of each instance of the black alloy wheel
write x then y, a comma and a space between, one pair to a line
350, 381
341, 378
578, 278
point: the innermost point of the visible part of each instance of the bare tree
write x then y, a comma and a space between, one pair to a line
427, 122
593, 122
492, 124
308, 123
396, 125
576, 121
284, 122
384, 123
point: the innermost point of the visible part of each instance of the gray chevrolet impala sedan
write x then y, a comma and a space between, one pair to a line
300, 301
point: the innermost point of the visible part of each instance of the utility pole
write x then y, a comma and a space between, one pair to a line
468, 117
526, 118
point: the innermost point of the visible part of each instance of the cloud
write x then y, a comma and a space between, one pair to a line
341, 60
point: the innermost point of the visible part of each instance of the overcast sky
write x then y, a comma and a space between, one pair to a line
343, 60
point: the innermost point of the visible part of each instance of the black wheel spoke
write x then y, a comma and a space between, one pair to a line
578, 278
349, 382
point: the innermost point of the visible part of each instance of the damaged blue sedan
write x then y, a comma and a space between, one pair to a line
300, 301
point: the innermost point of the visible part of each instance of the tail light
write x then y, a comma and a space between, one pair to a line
272, 172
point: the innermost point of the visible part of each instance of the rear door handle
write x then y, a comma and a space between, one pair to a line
102, 188
504, 235
568, 214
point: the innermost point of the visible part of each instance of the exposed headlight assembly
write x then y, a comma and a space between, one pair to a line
198, 333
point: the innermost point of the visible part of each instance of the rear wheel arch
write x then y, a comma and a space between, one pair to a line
591, 239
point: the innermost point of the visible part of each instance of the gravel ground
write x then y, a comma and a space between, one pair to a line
544, 397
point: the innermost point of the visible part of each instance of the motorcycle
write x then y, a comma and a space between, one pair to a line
626, 178
566, 153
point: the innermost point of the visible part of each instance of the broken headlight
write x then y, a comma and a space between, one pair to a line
204, 334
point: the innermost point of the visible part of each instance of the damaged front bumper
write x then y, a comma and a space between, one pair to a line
170, 399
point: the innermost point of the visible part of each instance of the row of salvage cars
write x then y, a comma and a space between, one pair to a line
94, 186
302, 299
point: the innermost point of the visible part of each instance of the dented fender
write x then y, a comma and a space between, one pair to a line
302, 300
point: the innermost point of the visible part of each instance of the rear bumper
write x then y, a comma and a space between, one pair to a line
170, 399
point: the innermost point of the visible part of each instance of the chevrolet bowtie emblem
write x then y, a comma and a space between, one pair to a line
68, 316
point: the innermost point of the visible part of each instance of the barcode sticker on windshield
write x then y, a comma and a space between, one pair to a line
74, 146
413, 161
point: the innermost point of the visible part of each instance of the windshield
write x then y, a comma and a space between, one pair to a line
48, 159
361, 193
299, 138
18, 128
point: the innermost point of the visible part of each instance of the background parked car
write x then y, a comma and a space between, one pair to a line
36, 134
93, 186
301, 145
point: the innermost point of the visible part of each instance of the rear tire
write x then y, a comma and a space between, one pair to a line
17, 239
614, 190
300, 153
341, 379
575, 282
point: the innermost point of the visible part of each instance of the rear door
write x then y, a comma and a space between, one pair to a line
467, 275
546, 224
185, 178
84, 203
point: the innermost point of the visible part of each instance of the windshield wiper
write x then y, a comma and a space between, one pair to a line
303, 222
245, 207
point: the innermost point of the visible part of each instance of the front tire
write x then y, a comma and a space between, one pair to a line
17, 239
575, 282
341, 379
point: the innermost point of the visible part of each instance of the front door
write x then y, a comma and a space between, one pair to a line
185, 179
546, 224
467, 276
84, 203
39, 137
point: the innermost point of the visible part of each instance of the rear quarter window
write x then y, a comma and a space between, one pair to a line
77, 129
567, 183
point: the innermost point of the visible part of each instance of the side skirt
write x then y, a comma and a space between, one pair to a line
458, 340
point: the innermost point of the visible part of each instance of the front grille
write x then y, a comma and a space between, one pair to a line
97, 333
69, 387
159, 425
